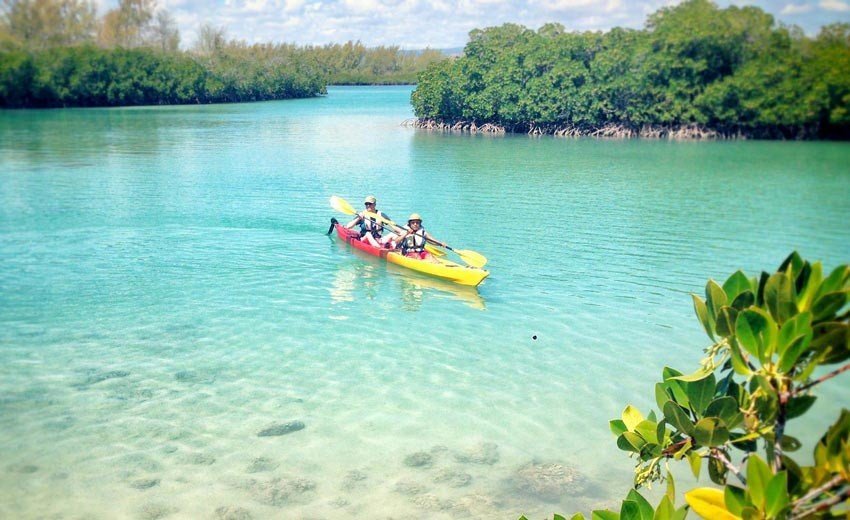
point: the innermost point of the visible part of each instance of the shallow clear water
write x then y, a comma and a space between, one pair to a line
167, 292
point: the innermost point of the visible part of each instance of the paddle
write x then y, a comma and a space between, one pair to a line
342, 205
472, 258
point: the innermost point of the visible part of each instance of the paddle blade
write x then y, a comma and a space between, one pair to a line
342, 205
472, 258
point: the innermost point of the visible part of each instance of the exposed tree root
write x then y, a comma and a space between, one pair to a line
608, 131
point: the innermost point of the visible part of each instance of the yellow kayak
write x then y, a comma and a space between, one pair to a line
433, 266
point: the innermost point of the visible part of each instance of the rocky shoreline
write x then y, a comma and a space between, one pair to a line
611, 131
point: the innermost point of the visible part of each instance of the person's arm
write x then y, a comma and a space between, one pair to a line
434, 240
357, 218
401, 234
354, 222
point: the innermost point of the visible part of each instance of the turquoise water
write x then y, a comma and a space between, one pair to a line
167, 292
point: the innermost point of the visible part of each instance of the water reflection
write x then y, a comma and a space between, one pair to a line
415, 287
354, 278
363, 276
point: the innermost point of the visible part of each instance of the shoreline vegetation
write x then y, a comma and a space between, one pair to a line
59, 53
695, 71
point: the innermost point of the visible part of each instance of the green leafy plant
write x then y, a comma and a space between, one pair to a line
775, 339
733, 70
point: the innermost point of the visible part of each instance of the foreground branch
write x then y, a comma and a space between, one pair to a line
802, 501
720, 456
822, 379
822, 506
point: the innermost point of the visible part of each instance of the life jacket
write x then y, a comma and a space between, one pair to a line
371, 225
413, 242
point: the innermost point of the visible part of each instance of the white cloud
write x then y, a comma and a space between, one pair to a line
363, 6
568, 5
834, 5
792, 9
440, 23
256, 6
293, 5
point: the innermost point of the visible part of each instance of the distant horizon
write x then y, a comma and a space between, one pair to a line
440, 24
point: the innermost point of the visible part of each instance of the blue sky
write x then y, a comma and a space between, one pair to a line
414, 24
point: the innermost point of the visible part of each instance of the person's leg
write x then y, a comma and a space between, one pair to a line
388, 240
371, 240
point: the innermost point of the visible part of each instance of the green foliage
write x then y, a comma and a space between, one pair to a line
91, 76
352, 63
48, 58
732, 70
771, 335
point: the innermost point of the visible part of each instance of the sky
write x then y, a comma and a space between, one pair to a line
441, 24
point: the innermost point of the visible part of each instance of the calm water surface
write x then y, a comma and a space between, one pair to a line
167, 292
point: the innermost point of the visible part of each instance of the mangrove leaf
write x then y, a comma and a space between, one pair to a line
708, 503
726, 321
744, 300
631, 417
700, 393
758, 476
725, 408
736, 284
711, 431
756, 332
777, 494
830, 303
617, 427
677, 416
734, 498
702, 313
715, 298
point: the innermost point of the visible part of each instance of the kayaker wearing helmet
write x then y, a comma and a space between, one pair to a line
412, 242
371, 229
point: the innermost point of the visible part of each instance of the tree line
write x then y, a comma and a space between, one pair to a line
731, 72
60, 53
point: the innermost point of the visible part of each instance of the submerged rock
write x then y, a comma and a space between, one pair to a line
477, 506
98, 377
352, 479
194, 376
420, 459
439, 450
135, 462
144, 483
431, 502
484, 453
60, 424
548, 481
339, 503
155, 511
25, 469
232, 513
199, 459
406, 487
261, 464
453, 478
276, 430
282, 491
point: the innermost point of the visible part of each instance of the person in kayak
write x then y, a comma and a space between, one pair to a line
371, 228
412, 241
